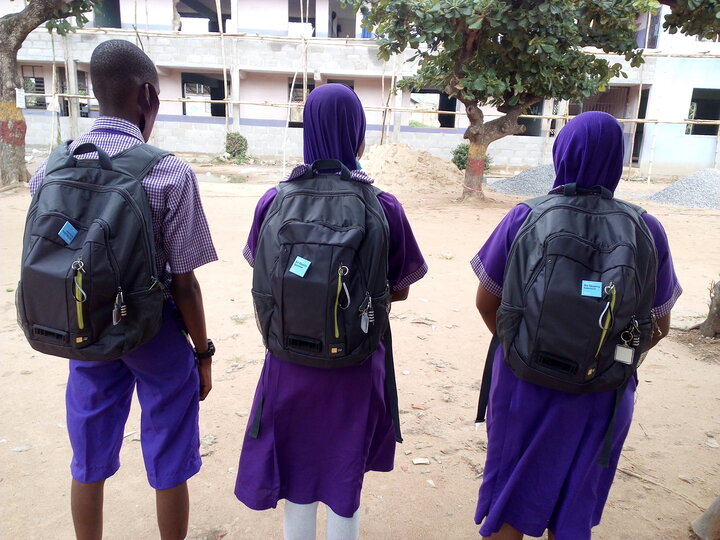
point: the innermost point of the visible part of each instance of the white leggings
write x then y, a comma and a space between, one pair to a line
300, 522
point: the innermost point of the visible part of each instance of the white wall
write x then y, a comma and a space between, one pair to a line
666, 148
268, 17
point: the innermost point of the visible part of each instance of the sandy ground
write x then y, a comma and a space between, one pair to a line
670, 468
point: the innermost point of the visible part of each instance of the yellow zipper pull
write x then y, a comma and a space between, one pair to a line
78, 292
342, 270
607, 315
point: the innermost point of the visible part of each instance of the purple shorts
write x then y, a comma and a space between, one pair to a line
98, 403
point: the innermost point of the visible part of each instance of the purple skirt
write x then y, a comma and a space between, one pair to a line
321, 430
541, 470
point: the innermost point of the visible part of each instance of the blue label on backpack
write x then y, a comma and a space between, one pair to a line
300, 266
67, 232
591, 288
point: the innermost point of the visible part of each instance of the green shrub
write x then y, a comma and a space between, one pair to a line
236, 145
460, 157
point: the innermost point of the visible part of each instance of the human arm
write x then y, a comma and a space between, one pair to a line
188, 245
188, 298
661, 330
406, 264
489, 264
667, 289
399, 296
487, 304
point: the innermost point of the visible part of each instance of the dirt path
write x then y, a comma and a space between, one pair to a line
671, 463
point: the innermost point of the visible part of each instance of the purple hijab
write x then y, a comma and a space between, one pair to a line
334, 125
589, 151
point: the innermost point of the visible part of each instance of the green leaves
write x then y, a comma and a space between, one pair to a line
694, 17
510, 53
77, 9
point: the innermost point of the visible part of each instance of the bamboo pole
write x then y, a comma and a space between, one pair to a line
634, 126
298, 105
218, 9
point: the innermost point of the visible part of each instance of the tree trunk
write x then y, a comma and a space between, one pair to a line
711, 326
12, 123
481, 134
707, 526
14, 28
475, 170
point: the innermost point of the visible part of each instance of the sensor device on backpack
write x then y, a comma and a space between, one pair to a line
89, 288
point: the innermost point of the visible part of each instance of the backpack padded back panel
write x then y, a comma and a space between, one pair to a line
570, 257
88, 284
320, 275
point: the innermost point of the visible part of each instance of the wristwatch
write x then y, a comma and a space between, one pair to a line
207, 354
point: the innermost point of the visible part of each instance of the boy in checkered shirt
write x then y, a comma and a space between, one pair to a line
170, 377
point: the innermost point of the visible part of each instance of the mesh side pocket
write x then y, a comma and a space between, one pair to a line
507, 323
264, 306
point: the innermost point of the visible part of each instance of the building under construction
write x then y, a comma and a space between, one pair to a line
247, 66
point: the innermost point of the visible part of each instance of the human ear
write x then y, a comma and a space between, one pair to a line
149, 103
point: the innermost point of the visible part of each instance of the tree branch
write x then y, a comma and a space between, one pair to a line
508, 124
476, 117
15, 27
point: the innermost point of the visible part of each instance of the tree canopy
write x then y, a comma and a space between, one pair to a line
693, 17
508, 54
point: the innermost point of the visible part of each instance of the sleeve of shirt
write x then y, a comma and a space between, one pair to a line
261, 210
38, 177
489, 263
406, 265
667, 288
186, 235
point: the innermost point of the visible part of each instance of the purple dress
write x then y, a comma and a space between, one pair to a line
322, 429
541, 469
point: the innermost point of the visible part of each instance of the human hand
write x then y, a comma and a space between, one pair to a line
205, 372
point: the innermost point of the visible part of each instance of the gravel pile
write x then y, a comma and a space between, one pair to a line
699, 190
533, 181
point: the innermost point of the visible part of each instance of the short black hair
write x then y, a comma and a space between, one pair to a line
117, 67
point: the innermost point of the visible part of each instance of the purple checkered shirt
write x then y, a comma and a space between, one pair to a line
180, 228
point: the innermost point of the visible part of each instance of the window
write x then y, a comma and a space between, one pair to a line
197, 87
107, 14
644, 37
34, 83
704, 105
296, 96
197, 92
351, 84
430, 105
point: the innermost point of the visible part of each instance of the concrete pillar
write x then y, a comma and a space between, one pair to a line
235, 76
231, 26
322, 18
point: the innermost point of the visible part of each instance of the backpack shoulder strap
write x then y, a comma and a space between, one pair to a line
137, 160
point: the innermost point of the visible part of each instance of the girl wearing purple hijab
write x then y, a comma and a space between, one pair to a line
323, 429
541, 470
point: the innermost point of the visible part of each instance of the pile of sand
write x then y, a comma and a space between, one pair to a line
397, 164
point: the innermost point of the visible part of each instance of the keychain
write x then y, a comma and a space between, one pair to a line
624, 352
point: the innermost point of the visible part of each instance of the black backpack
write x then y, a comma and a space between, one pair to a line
89, 288
320, 287
578, 291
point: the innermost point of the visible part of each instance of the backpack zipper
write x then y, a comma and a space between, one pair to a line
78, 292
131, 202
342, 271
607, 314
